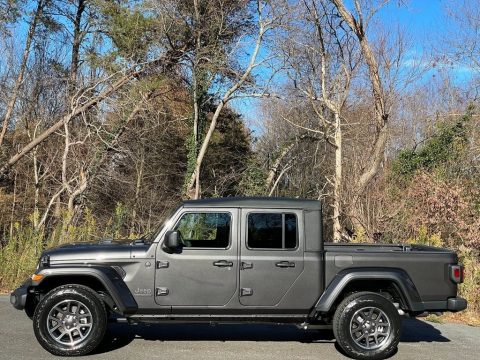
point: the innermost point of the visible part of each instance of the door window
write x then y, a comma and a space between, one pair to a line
272, 231
205, 230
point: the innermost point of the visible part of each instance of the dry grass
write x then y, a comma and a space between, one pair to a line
19, 257
464, 317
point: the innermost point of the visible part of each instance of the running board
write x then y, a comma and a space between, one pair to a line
306, 326
203, 318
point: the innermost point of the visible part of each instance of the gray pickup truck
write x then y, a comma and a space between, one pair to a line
238, 260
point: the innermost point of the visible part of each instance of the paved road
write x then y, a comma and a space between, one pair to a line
420, 340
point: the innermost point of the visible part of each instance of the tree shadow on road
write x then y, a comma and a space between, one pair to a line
120, 335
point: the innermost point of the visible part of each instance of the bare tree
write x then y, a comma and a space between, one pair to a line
462, 41
459, 47
321, 68
358, 26
36, 17
264, 23
80, 103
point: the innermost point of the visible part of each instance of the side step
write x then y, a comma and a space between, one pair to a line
307, 326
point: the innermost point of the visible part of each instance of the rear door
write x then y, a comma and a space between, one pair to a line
204, 272
271, 255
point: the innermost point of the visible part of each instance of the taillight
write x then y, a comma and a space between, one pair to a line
456, 273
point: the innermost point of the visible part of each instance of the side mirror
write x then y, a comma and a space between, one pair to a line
172, 241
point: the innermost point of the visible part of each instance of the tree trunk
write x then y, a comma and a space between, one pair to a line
276, 165
76, 193
191, 191
337, 228
284, 170
381, 113
198, 108
14, 201
77, 40
23, 65
138, 186
37, 190
196, 122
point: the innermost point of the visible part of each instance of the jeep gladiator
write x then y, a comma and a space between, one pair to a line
237, 260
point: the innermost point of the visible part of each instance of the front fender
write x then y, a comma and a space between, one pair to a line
108, 277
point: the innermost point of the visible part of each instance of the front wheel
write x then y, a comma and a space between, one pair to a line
367, 326
70, 320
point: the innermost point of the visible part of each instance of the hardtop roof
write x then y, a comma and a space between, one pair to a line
256, 202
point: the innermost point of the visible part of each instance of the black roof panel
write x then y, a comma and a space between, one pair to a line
256, 202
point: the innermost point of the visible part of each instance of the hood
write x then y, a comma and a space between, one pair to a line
95, 252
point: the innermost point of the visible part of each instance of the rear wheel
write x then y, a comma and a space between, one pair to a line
70, 320
367, 326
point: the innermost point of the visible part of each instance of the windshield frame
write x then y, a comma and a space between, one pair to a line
152, 236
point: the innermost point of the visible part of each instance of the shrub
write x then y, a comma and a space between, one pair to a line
19, 257
470, 289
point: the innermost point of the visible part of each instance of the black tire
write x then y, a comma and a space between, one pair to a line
85, 338
362, 344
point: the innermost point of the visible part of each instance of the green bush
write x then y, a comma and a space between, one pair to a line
437, 152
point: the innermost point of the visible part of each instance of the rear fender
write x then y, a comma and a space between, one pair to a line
398, 277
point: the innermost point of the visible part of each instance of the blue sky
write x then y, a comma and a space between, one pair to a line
425, 24
420, 17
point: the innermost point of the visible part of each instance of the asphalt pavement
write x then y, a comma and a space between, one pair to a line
420, 340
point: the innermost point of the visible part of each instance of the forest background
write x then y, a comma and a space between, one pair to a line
112, 112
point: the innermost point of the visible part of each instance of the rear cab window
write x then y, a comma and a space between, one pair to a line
275, 231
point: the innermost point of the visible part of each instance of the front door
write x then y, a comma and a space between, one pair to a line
204, 271
271, 255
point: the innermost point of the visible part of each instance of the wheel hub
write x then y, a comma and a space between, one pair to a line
69, 322
370, 328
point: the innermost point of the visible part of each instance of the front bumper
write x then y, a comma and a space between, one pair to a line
18, 298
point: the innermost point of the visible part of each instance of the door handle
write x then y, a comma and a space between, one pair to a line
223, 263
285, 264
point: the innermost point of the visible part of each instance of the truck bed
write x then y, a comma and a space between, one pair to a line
427, 267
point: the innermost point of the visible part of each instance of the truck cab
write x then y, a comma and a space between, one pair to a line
224, 251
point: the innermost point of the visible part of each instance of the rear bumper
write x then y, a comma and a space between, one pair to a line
456, 304
18, 298
452, 304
